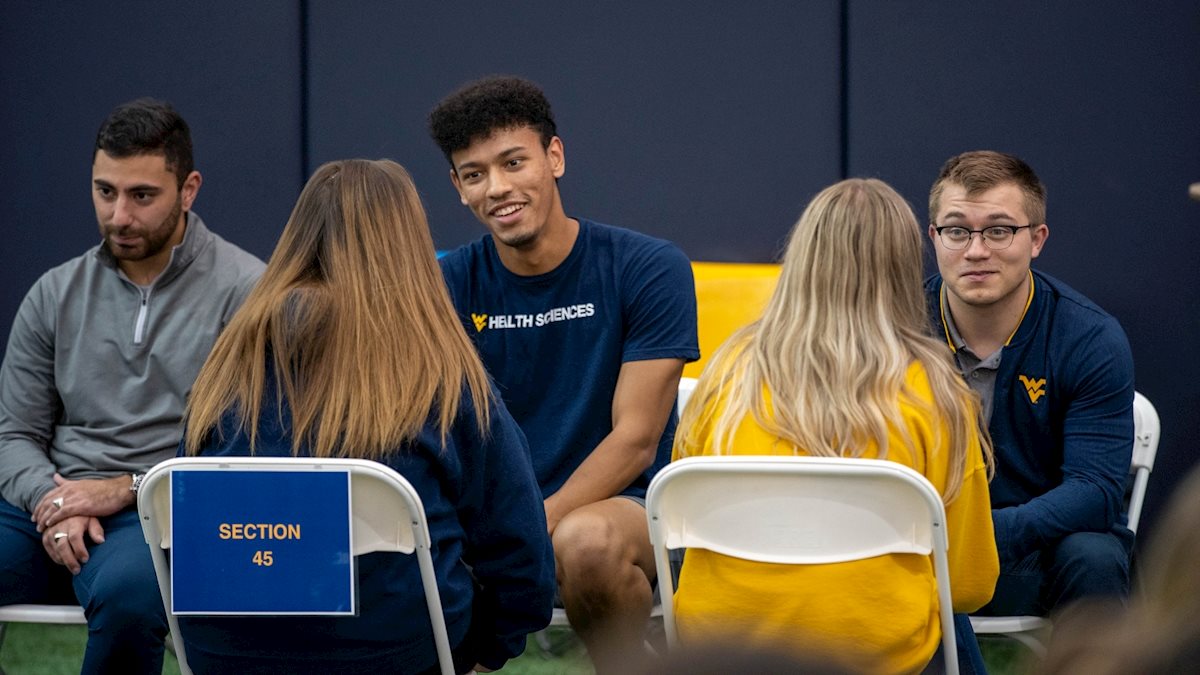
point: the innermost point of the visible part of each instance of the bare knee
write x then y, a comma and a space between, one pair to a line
584, 545
599, 541
605, 570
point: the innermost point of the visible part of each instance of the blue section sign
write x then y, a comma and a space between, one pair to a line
261, 542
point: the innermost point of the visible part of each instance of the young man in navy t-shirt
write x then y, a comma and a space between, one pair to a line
585, 328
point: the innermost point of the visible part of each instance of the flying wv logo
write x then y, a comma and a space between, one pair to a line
1035, 388
480, 321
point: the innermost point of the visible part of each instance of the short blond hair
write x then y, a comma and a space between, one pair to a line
981, 170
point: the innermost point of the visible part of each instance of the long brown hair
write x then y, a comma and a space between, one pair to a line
836, 339
353, 316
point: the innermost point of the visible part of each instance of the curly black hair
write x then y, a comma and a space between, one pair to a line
148, 126
483, 106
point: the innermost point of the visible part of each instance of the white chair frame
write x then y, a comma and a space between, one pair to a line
832, 509
1147, 430
53, 614
62, 614
387, 516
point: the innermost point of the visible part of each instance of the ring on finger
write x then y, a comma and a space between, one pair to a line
58, 502
59, 536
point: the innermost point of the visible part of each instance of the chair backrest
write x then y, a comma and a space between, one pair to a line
801, 511
686, 386
1147, 429
387, 515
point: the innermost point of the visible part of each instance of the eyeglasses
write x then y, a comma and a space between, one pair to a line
995, 237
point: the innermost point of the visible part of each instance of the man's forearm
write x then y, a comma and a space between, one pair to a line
1074, 506
608, 470
642, 404
26, 473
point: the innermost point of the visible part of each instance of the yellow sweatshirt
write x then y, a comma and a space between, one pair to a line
880, 613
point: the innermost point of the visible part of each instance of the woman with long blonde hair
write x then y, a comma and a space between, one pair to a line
349, 347
841, 364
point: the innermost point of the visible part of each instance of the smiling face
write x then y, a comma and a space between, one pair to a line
140, 210
508, 182
977, 276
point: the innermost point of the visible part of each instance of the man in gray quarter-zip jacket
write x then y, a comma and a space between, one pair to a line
102, 354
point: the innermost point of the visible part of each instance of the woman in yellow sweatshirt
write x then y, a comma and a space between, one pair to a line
842, 365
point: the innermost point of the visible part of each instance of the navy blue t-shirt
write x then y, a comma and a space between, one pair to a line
555, 342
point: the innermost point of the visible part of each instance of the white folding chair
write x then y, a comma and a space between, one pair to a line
687, 385
1147, 429
799, 511
387, 516
559, 618
1031, 630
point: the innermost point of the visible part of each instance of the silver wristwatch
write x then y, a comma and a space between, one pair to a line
137, 481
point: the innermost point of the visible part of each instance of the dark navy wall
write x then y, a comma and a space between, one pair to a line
231, 68
709, 123
682, 121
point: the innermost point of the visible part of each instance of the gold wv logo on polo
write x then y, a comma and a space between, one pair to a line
1035, 388
480, 321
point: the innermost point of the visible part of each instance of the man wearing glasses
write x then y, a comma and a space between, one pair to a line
1055, 376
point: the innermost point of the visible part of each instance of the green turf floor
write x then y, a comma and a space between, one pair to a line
34, 649
31, 649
